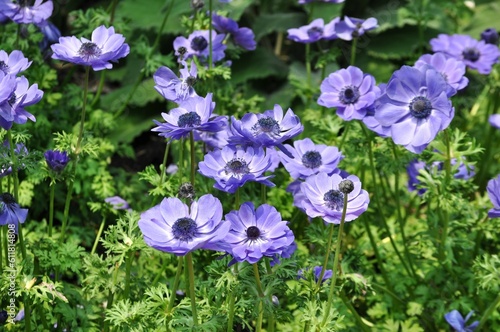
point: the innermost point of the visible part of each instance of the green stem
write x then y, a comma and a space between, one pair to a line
189, 263
325, 261
270, 321
193, 158
353, 311
27, 313
232, 298
99, 89
388, 292
353, 51
308, 64
51, 207
261, 295
210, 45
335, 263
108, 306
173, 291
163, 170
446, 222
128, 267
263, 193
1, 253
98, 237
488, 312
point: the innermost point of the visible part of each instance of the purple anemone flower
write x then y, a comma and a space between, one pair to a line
286, 253
231, 167
268, 129
490, 36
10, 212
494, 120
416, 107
316, 273
105, 47
455, 319
350, 91
493, 189
475, 54
324, 198
51, 34
13, 63
174, 88
370, 121
313, 32
197, 44
243, 37
194, 113
22, 12
118, 203
215, 139
21, 152
256, 233
56, 160
12, 110
309, 158
174, 227
451, 69
351, 27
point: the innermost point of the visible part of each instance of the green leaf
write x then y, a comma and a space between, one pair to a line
237, 7
483, 17
258, 64
267, 23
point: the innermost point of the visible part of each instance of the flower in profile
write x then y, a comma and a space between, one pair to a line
309, 158
10, 212
243, 37
268, 129
231, 167
21, 152
174, 227
174, 88
351, 27
370, 121
475, 54
105, 47
118, 203
12, 110
56, 160
451, 69
493, 189
313, 32
51, 34
13, 63
286, 253
494, 120
455, 319
197, 44
316, 273
324, 197
256, 233
416, 107
194, 113
23, 12
350, 91
490, 36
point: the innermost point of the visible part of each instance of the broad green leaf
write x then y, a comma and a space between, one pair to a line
267, 23
260, 63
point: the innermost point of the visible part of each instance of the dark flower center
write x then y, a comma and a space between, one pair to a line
199, 43
190, 81
420, 107
182, 50
7, 198
315, 32
184, 229
190, 119
334, 199
349, 94
12, 99
237, 166
4, 67
471, 54
89, 51
311, 159
267, 125
253, 233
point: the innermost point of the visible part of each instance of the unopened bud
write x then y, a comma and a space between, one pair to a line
346, 186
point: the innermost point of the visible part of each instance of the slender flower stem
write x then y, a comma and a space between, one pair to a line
446, 213
189, 263
335, 263
51, 207
270, 321
353, 51
163, 170
98, 237
232, 298
210, 45
260, 318
1, 253
488, 312
353, 311
308, 64
173, 291
99, 88
325, 262
76, 155
261, 296
193, 157
128, 267
263, 193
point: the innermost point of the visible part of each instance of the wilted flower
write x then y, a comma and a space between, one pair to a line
256, 233
118, 203
309, 158
455, 319
268, 129
173, 227
351, 27
475, 54
324, 198
416, 107
173, 88
490, 36
197, 44
451, 69
231, 167
56, 160
13, 63
105, 47
493, 189
313, 32
350, 91
10, 212
194, 113
22, 12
